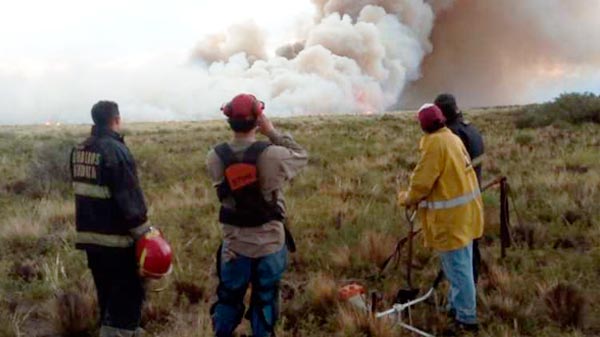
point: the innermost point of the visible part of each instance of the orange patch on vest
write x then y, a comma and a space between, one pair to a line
240, 175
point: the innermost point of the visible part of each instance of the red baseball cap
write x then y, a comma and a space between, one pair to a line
431, 117
243, 107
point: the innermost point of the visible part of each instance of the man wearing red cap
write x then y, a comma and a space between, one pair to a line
249, 176
444, 187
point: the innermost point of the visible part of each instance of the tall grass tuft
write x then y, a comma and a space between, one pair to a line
323, 294
357, 323
193, 292
566, 305
75, 311
49, 170
375, 247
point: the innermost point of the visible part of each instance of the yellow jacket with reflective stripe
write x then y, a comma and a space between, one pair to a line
444, 184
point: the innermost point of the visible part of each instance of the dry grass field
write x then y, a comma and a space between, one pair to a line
343, 215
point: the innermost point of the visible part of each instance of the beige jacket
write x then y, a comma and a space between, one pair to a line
277, 165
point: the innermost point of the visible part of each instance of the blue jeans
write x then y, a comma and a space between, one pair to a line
458, 268
235, 275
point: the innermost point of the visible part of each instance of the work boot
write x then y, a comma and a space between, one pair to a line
461, 329
108, 331
468, 328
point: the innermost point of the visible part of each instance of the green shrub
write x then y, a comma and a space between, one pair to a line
574, 108
49, 170
524, 138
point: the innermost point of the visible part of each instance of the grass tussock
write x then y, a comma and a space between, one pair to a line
26, 271
33, 223
323, 294
75, 311
49, 171
341, 257
566, 305
155, 315
529, 235
351, 322
375, 247
192, 292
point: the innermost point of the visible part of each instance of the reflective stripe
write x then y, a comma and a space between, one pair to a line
92, 191
107, 240
137, 232
142, 260
465, 199
478, 161
109, 331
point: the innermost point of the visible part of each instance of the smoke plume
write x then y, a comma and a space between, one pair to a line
503, 52
245, 37
357, 56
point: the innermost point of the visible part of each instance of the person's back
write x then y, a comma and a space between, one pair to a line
470, 136
444, 188
249, 177
110, 215
451, 194
473, 142
95, 165
276, 165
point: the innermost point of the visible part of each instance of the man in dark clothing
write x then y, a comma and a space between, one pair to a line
473, 141
469, 135
110, 215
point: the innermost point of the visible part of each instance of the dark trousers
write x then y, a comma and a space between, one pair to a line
119, 287
476, 259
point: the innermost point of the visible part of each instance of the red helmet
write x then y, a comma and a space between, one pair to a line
154, 255
243, 107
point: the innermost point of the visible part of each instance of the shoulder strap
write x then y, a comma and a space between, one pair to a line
254, 151
225, 153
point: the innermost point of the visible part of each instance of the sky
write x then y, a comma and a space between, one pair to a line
38, 30
40, 38
58, 57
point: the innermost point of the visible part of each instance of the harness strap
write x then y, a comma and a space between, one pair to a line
254, 151
251, 208
251, 154
225, 153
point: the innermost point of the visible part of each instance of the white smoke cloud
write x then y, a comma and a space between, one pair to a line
352, 59
246, 37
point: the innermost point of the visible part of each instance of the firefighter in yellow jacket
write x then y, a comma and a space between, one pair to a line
444, 188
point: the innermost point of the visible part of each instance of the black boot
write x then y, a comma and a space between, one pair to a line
461, 329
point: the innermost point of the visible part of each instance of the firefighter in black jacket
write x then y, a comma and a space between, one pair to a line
473, 142
110, 215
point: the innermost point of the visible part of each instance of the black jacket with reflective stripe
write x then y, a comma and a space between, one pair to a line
471, 138
109, 200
